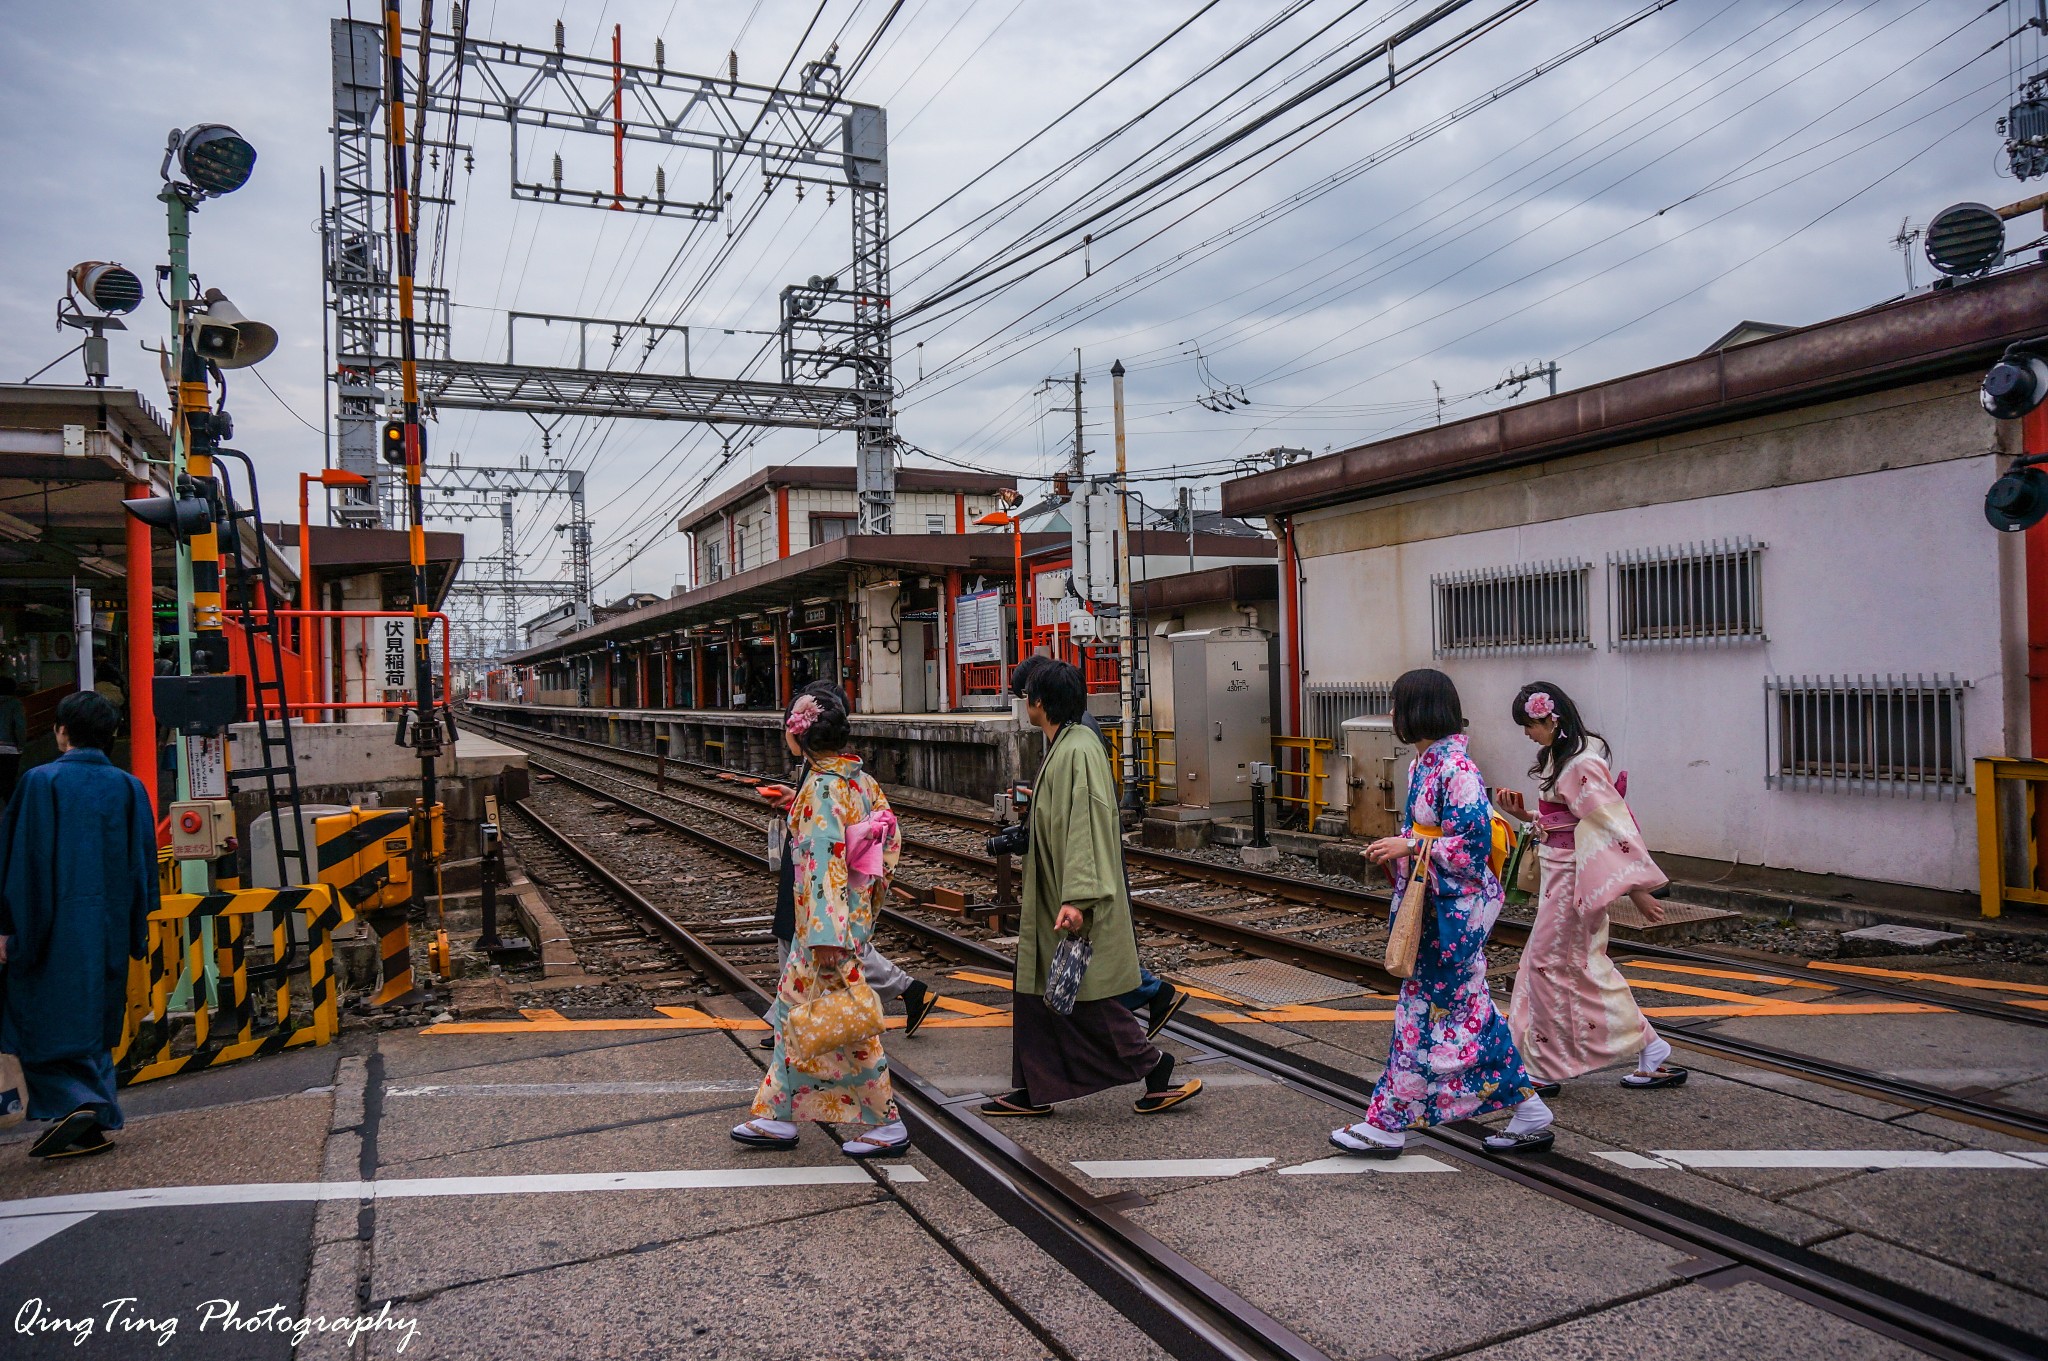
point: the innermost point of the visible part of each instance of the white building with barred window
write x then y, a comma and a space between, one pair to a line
1764, 573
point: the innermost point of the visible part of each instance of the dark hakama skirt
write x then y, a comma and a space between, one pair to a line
58, 1087
1057, 1058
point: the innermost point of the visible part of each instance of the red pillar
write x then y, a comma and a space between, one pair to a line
141, 652
782, 522
2034, 433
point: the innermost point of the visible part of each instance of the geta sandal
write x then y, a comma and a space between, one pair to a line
1534, 1141
64, 1133
1666, 1076
753, 1136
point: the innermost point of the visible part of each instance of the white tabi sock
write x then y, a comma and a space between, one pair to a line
1654, 1054
774, 1129
1362, 1135
1530, 1116
882, 1136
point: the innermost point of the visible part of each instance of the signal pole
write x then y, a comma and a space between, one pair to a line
1126, 643
1080, 458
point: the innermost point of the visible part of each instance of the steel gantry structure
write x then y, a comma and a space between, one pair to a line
808, 135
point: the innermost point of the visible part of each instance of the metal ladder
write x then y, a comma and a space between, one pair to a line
276, 756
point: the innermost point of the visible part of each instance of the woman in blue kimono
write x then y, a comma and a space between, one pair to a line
1451, 1057
77, 884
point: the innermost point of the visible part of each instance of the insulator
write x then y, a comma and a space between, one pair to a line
660, 183
558, 170
660, 55
828, 194
561, 37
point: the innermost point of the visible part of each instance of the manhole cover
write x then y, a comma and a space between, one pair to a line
1268, 982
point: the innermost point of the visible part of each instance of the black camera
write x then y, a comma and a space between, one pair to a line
1012, 840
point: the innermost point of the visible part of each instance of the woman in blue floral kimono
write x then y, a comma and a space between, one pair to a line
1451, 1056
844, 840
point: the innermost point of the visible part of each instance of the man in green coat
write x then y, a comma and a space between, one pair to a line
1074, 885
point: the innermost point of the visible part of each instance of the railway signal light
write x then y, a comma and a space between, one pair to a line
2014, 388
392, 442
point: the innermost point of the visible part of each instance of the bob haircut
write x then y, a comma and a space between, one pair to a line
1058, 688
88, 720
1426, 707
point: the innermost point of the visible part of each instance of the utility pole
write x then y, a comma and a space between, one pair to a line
1126, 643
1080, 459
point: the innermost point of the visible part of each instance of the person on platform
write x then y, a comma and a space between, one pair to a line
881, 973
1154, 996
13, 736
838, 821
1074, 885
78, 880
1451, 1056
1572, 1011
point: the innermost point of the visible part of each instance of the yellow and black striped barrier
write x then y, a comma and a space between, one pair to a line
366, 854
176, 956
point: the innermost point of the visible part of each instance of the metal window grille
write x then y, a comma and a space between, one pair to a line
1866, 734
1534, 607
1686, 594
1331, 702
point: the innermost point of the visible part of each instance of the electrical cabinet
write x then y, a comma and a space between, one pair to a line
1378, 779
1222, 716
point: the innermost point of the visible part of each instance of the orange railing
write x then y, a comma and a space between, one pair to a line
311, 707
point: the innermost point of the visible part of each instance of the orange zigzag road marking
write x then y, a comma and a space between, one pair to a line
1727, 973
1990, 984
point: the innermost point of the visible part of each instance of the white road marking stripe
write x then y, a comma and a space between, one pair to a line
706, 1085
1171, 1167
19, 1235
1343, 1166
1970, 1159
708, 1179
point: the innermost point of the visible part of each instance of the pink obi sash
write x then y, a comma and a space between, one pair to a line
1556, 825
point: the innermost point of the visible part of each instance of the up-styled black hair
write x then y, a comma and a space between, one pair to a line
88, 720
1572, 731
1058, 688
1426, 707
831, 730
1020, 677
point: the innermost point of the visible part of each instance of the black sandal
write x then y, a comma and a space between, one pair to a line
754, 1138
64, 1133
925, 1004
1535, 1141
1666, 1076
1013, 1105
1546, 1089
91, 1142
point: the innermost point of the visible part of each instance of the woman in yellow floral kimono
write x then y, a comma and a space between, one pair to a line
835, 914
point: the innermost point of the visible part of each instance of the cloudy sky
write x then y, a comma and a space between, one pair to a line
1362, 264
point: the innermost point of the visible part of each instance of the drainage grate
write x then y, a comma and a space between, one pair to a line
1268, 982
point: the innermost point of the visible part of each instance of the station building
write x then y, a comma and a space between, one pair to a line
1763, 572
920, 629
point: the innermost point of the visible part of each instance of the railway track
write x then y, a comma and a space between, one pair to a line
1183, 1307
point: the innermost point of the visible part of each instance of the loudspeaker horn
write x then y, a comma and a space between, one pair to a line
253, 340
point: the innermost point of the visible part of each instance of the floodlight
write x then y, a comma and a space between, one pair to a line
212, 157
2015, 385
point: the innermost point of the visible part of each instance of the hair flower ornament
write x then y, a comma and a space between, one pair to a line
1540, 705
802, 714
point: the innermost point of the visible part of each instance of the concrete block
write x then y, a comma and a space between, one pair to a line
1167, 834
1259, 856
1897, 940
1348, 858
1225, 832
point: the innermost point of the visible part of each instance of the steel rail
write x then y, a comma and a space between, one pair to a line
1180, 1306
1169, 1296
1348, 964
1366, 902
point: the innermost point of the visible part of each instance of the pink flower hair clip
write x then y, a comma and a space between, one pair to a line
802, 714
1540, 705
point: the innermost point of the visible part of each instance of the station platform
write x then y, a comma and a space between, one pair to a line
969, 755
562, 1184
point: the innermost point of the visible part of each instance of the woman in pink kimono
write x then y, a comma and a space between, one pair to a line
1572, 1010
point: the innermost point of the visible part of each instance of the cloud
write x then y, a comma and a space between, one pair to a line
1722, 159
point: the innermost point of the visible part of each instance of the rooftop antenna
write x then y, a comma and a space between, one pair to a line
1908, 237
